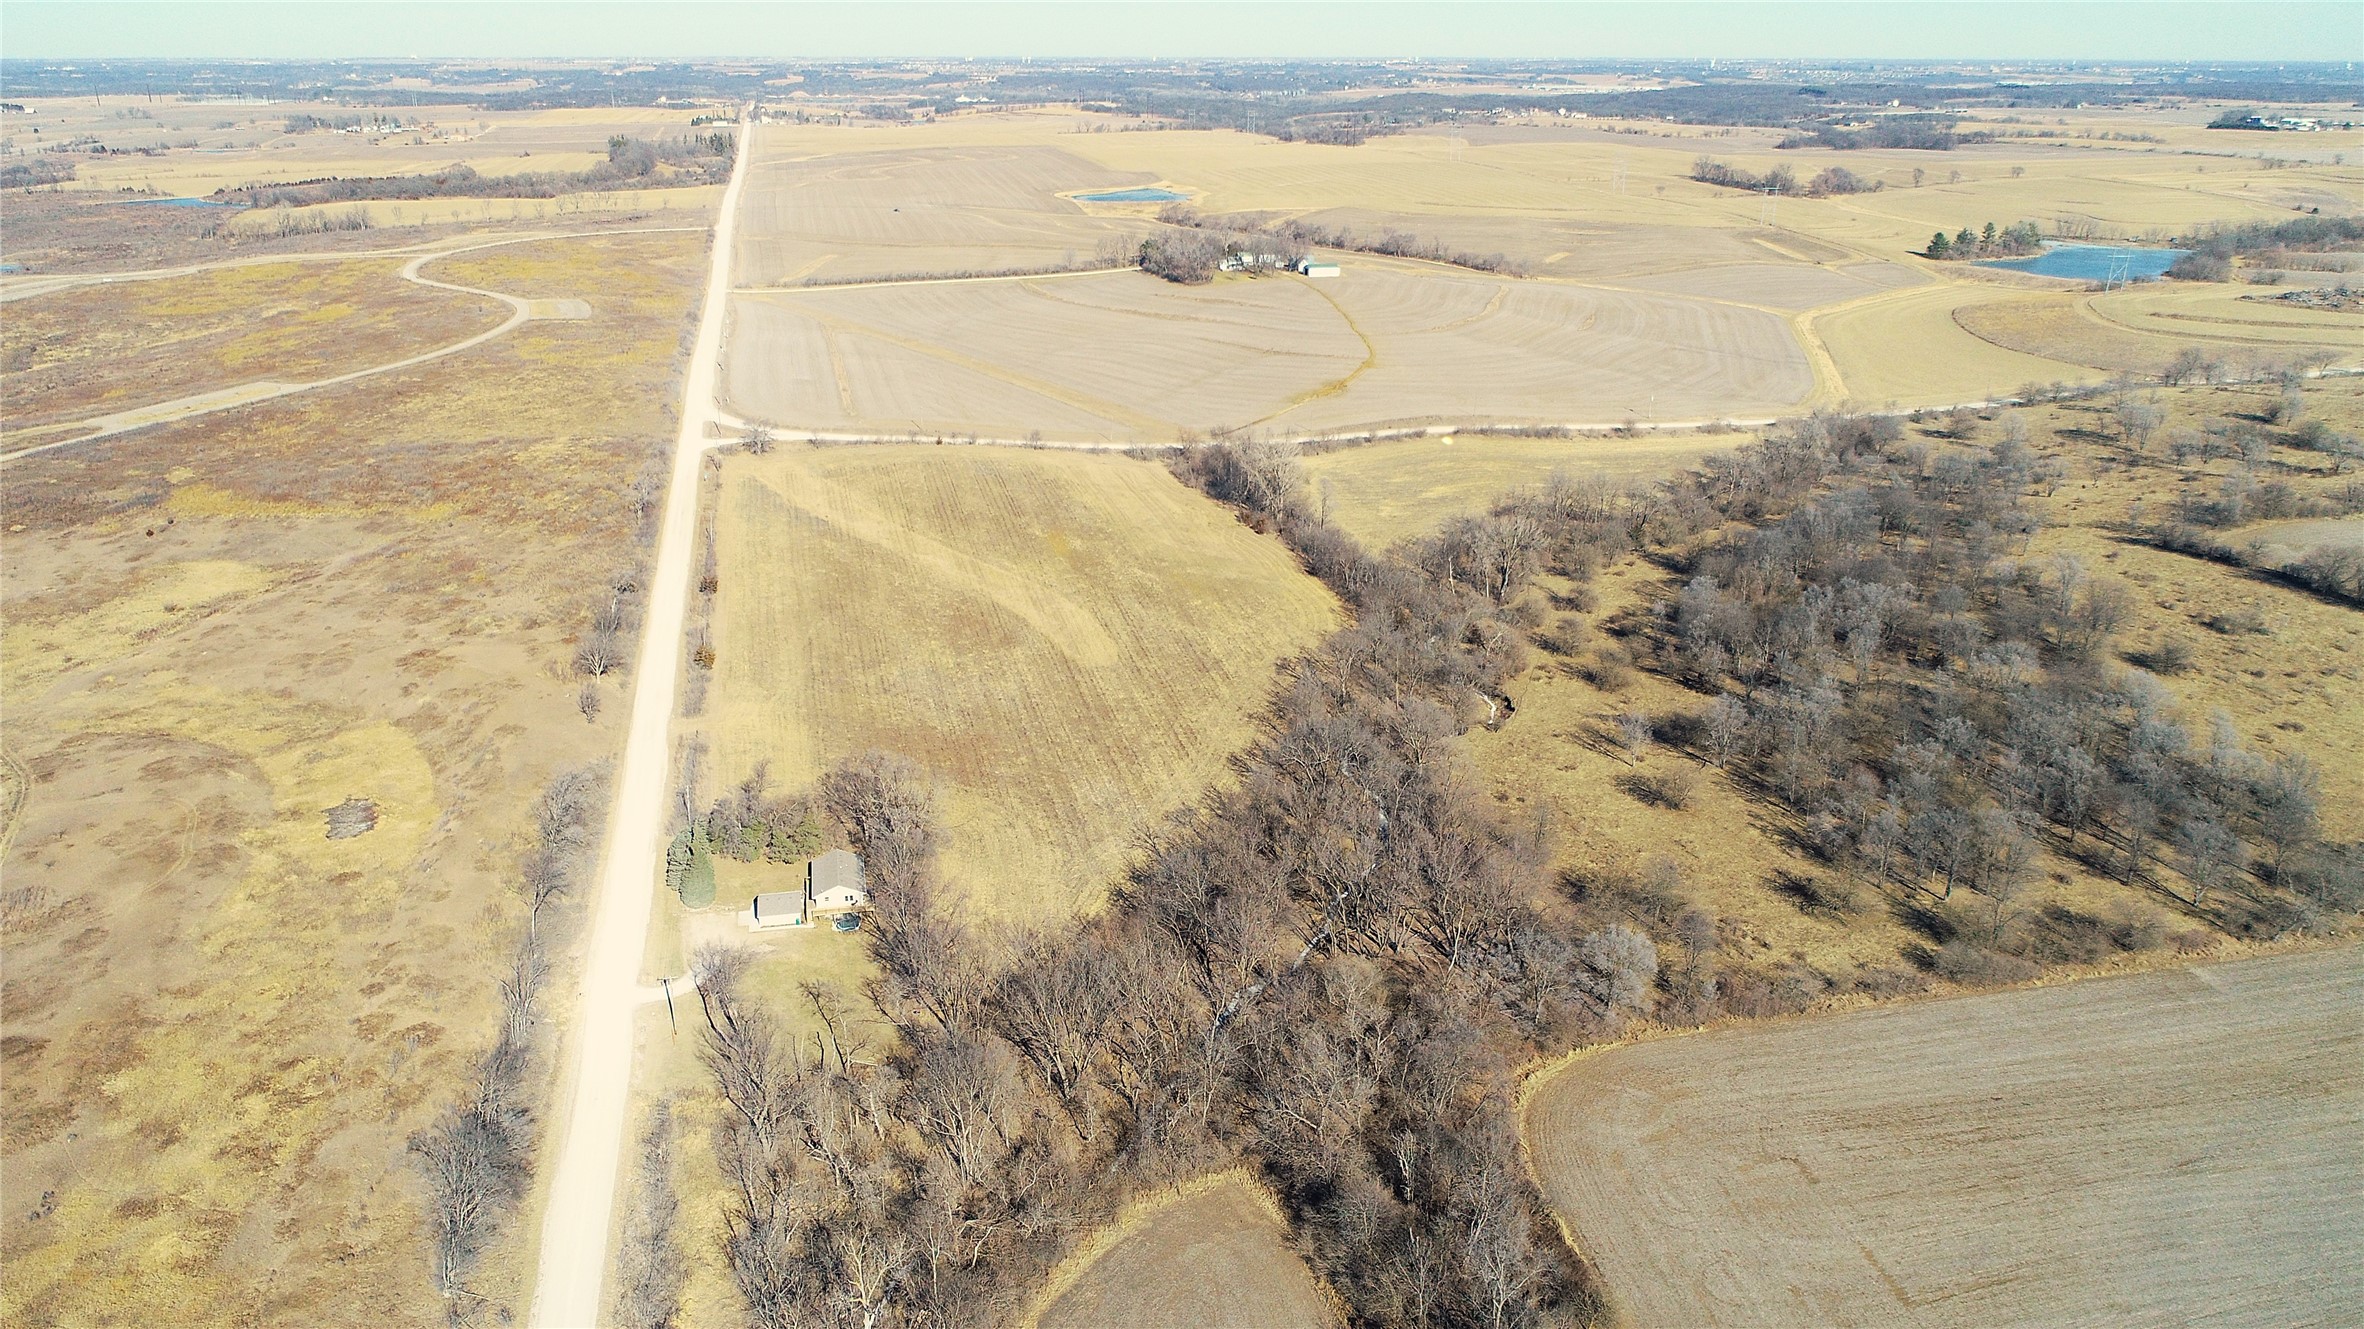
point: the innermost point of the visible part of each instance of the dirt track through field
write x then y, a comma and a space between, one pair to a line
2162, 1148
521, 312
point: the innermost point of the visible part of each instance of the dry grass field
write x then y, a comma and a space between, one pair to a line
1073, 644
2155, 1148
90, 350
1213, 1256
1381, 493
221, 1027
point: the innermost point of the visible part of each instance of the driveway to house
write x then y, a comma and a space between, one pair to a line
589, 1129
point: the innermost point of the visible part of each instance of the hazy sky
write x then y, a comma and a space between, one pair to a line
2023, 29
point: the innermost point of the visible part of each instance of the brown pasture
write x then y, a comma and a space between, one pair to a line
221, 1026
2165, 1146
90, 350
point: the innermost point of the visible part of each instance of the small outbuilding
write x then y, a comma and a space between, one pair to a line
1316, 267
780, 909
834, 884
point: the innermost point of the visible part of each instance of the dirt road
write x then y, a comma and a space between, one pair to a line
589, 1127
2177, 1146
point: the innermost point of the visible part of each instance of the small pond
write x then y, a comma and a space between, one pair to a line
2093, 262
1144, 194
178, 203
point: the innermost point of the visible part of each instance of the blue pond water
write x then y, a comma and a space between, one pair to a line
178, 203
2092, 262
1142, 195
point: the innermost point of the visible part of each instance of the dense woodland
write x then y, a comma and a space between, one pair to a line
1333, 968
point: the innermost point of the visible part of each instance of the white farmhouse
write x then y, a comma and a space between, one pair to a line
833, 883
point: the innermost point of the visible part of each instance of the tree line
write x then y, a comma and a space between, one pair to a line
631, 163
477, 1156
1783, 180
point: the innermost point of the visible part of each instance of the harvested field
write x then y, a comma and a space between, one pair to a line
2220, 313
1390, 342
2063, 328
1214, 1257
1073, 643
1381, 493
90, 350
2153, 1148
1119, 355
1908, 346
1788, 287
848, 215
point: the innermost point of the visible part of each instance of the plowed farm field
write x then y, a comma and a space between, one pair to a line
836, 216
1072, 643
1123, 355
2172, 1147
1211, 1258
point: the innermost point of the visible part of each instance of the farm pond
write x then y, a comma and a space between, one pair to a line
1144, 194
2093, 262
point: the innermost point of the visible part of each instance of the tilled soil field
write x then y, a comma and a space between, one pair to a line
2165, 1148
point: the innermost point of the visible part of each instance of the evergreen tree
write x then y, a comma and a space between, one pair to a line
1938, 245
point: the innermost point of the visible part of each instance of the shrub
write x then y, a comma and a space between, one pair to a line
2200, 265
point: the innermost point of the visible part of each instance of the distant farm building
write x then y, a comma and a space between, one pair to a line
833, 883
1316, 267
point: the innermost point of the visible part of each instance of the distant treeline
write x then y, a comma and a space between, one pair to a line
38, 171
2312, 233
1929, 133
1782, 180
631, 163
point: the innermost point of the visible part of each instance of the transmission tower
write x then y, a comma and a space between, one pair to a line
2121, 272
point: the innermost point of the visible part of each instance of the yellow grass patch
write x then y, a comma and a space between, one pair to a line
232, 1084
1381, 493
1073, 644
40, 649
1907, 347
